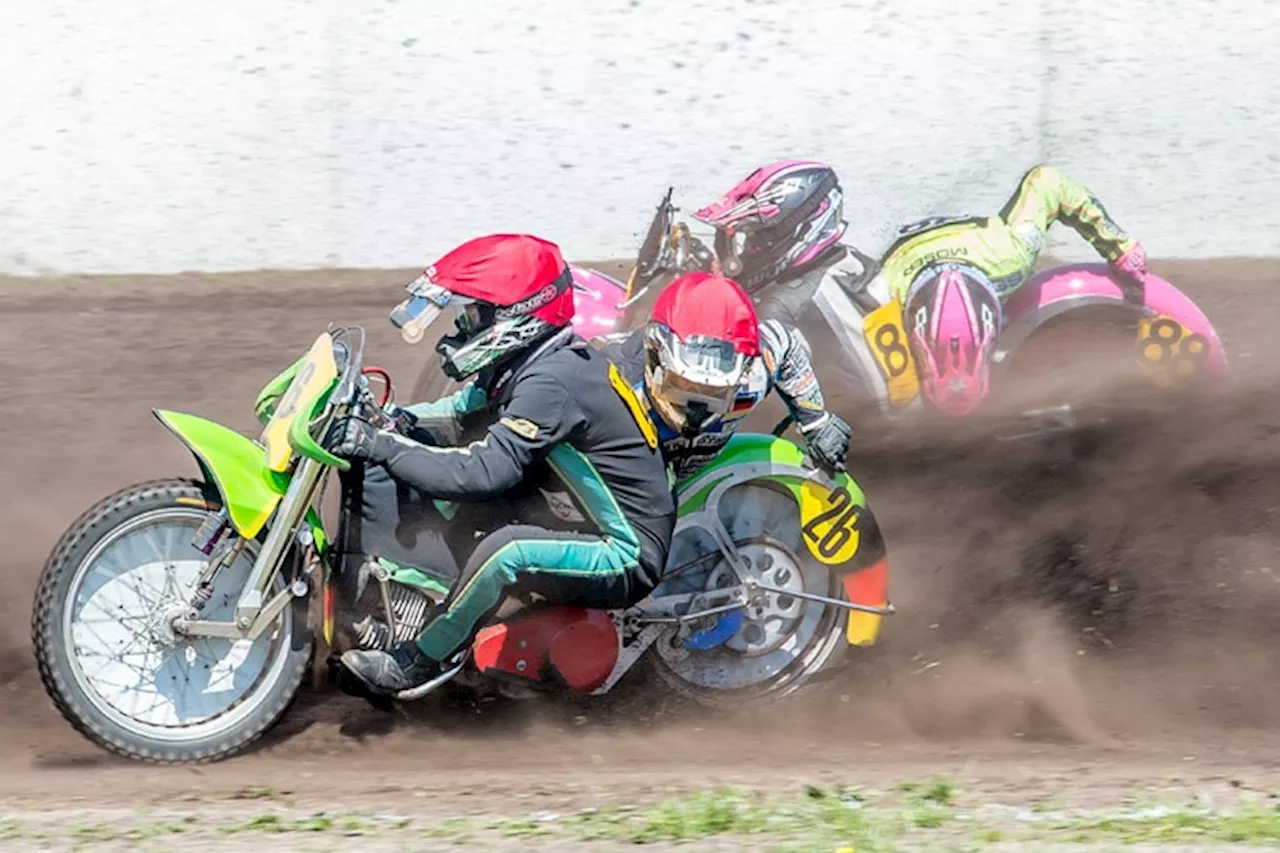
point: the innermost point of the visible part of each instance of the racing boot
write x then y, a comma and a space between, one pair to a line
388, 673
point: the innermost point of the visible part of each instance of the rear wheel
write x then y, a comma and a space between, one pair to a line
106, 654
1075, 362
782, 642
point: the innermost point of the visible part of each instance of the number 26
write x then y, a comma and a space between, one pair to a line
849, 516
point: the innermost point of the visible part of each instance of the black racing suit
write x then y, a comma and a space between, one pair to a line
565, 423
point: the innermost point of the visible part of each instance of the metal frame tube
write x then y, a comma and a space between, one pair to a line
822, 599
293, 507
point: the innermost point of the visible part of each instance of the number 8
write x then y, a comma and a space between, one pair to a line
889, 342
1166, 344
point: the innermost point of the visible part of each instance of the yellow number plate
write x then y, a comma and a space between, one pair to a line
313, 376
1170, 349
829, 523
888, 340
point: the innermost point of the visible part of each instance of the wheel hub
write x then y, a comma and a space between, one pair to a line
769, 618
161, 625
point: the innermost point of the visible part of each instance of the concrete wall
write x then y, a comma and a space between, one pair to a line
142, 136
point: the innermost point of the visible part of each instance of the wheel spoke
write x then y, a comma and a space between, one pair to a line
130, 664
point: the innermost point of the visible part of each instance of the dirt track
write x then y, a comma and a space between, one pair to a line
1102, 611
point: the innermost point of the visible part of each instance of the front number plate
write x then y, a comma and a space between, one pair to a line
315, 373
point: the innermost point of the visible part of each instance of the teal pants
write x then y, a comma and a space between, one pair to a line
565, 568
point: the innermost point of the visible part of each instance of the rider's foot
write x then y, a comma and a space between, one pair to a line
402, 668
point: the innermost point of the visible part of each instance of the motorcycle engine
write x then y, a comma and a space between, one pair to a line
409, 609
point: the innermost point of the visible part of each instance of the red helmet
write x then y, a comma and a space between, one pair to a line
702, 339
509, 291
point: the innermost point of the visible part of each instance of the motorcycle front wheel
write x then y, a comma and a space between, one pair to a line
111, 664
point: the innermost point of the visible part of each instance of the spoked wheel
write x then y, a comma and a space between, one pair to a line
107, 653
777, 644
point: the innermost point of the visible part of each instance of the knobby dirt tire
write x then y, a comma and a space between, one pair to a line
53, 658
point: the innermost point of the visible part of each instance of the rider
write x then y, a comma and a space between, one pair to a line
705, 362
564, 419
778, 231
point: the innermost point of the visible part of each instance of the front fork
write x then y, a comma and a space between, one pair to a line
253, 612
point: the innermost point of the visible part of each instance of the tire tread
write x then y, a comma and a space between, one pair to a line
91, 524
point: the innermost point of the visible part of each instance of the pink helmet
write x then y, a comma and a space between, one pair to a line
954, 316
781, 217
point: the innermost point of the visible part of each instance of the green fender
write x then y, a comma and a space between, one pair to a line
824, 514
236, 467
753, 449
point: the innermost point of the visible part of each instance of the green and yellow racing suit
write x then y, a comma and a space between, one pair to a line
1005, 247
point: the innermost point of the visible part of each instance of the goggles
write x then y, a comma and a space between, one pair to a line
425, 303
704, 371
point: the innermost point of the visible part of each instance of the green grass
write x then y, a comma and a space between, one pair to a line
927, 805
1255, 825
103, 833
254, 792
271, 822
929, 814
818, 816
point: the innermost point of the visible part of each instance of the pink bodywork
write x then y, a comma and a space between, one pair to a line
1066, 288
596, 298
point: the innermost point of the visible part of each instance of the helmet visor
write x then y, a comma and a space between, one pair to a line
679, 391
700, 370
425, 304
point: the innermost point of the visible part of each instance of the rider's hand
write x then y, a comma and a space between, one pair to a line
402, 420
391, 418
828, 442
352, 438
1132, 266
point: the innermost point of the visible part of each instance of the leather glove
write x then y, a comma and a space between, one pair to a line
352, 438
396, 419
401, 420
828, 442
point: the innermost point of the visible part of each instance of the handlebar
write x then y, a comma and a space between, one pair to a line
348, 354
386, 383
352, 395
